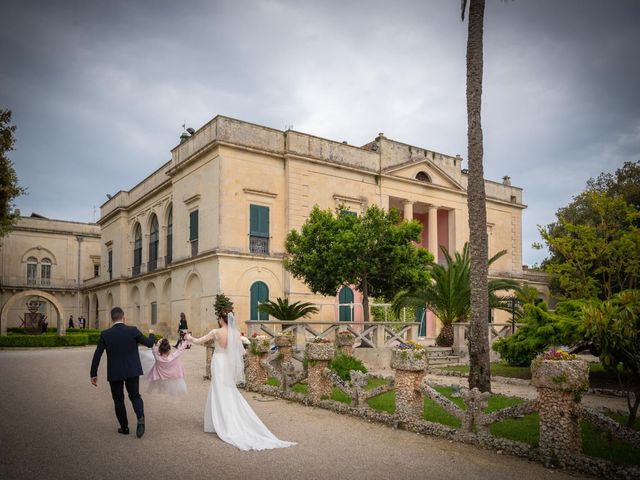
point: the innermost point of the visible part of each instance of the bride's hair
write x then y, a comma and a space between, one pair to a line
224, 318
164, 346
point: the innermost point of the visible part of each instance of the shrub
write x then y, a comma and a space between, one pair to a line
44, 340
343, 364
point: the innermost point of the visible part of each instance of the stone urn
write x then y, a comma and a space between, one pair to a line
283, 340
560, 385
320, 351
260, 344
410, 360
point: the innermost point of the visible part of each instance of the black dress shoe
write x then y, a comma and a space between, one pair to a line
140, 429
124, 431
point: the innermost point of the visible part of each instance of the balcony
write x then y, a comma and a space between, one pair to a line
259, 245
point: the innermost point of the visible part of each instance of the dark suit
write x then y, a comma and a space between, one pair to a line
123, 366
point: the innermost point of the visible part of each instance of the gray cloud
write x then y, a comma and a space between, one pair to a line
99, 89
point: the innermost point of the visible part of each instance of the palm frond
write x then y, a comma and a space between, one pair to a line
283, 310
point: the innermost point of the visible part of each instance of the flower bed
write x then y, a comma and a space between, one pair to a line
409, 356
559, 370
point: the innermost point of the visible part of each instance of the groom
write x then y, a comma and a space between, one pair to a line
123, 367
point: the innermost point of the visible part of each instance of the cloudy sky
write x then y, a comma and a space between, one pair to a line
99, 89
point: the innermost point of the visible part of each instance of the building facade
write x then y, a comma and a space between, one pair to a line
49, 259
214, 219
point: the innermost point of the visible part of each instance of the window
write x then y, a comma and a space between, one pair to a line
423, 177
96, 270
154, 240
259, 229
259, 294
193, 232
154, 313
345, 299
169, 255
45, 272
32, 270
137, 250
110, 264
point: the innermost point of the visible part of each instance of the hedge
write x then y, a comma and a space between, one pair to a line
75, 340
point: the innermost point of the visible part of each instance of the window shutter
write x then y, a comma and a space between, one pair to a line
258, 221
193, 225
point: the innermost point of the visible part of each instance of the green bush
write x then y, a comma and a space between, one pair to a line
343, 364
44, 340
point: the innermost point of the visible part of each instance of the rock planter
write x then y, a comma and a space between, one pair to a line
410, 364
283, 340
318, 356
255, 371
560, 385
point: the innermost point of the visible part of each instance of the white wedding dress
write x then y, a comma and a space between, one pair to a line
227, 413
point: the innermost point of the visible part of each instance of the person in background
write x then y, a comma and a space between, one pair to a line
71, 325
182, 329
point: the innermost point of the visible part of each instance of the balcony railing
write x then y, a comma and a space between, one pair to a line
48, 283
259, 245
194, 248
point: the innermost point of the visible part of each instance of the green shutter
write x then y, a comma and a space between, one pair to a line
193, 225
258, 221
259, 294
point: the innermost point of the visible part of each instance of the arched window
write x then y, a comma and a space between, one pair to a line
345, 299
45, 272
137, 249
32, 270
169, 256
423, 177
154, 240
259, 294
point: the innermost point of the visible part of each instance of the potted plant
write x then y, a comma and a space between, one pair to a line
410, 356
560, 370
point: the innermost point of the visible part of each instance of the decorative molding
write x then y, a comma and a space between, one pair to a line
192, 199
261, 193
343, 198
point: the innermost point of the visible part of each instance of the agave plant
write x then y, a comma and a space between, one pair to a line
448, 295
283, 310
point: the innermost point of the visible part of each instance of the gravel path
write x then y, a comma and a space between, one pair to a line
55, 425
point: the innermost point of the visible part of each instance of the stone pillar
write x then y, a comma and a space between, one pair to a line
433, 231
209, 353
318, 355
256, 373
284, 343
344, 343
407, 209
560, 385
410, 368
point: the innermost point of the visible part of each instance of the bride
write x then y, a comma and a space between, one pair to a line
227, 413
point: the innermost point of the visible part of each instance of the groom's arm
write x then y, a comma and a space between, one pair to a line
146, 341
96, 360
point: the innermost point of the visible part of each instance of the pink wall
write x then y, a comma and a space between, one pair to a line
422, 218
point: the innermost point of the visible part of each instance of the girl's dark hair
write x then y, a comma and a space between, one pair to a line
164, 346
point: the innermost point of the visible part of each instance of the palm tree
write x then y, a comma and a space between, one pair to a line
448, 295
283, 310
479, 364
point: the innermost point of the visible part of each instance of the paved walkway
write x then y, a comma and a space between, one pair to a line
55, 425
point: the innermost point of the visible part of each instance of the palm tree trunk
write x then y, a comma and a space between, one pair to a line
479, 373
365, 299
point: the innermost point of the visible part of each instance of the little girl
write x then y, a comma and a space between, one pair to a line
166, 375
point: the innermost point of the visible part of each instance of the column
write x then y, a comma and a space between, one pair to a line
433, 231
408, 209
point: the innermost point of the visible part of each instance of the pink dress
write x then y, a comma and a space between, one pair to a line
167, 373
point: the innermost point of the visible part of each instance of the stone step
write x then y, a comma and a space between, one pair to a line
439, 351
445, 360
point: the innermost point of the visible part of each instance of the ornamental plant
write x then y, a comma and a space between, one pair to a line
409, 345
554, 354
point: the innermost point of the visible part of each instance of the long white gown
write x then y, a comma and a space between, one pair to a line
227, 413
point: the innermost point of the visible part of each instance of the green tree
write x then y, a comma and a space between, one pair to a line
375, 252
595, 249
283, 310
222, 304
9, 188
479, 362
448, 294
613, 326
